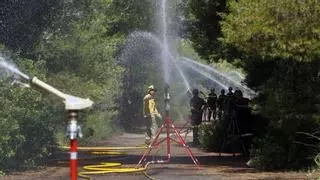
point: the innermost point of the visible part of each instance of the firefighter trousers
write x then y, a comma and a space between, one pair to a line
152, 127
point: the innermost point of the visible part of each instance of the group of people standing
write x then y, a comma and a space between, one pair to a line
226, 107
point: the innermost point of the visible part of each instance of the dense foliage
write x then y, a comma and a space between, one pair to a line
72, 45
28, 121
277, 45
274, 29
81, 56
203, 27
22, 22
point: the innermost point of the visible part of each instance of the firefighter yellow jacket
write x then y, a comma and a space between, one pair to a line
149, 106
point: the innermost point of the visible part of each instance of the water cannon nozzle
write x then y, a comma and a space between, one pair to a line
166, 92
167, 99
71, 102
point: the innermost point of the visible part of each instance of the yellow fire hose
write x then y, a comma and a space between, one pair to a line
108, 167
105, 148
104, 168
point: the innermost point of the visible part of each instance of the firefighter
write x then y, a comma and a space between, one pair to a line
229, 105
230, 93
221, 101
197, 105
243, 118
150, 114
212, 104
243, 112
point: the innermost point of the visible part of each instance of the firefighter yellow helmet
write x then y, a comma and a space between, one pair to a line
151, 88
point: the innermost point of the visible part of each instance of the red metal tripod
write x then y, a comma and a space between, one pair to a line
168, 124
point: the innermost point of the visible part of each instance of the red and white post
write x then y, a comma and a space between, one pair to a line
74, 131
73, 159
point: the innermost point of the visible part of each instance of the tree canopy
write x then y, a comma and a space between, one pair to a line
274, 29
203, 28
71, 45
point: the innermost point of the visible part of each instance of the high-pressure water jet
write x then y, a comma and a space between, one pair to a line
5, 65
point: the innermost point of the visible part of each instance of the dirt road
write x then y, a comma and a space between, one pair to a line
214, 167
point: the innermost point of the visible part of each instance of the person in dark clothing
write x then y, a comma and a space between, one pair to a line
230, 93
197, 105
212, 104
243, 118
229, 105
220, 103
243, 112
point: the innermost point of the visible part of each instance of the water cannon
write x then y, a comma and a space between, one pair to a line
71, 102
166, 99
73, 105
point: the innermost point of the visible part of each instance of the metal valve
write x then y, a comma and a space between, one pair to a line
167, 99
73, 129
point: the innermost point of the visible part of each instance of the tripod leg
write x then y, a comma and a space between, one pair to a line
143, 158
185, 126
194, 159
225, 137
233, 136
168, 141
240, 138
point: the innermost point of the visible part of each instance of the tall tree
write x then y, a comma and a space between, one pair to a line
203, 22
22, 22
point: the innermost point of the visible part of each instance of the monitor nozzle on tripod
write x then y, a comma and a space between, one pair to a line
167, 99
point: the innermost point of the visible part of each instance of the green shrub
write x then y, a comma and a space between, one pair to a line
285, 148
269, 152
28, 122
211, 136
